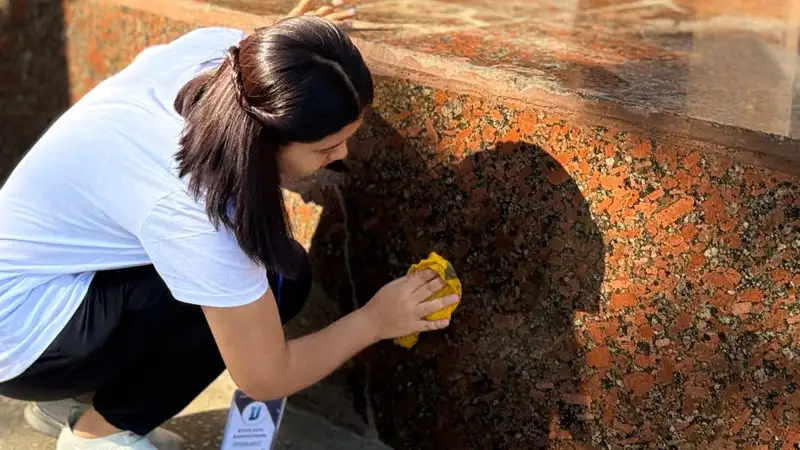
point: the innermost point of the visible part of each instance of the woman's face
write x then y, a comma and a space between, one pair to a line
299, 159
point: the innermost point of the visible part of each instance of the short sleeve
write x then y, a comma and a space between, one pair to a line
199, 264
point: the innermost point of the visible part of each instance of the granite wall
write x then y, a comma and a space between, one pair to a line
34, 84
620, 287
623, 288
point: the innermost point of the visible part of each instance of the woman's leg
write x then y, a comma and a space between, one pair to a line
144, 354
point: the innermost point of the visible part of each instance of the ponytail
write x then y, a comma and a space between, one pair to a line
299, 80
233, 164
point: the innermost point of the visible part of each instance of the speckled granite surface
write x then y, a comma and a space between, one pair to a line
31, 60
733, 63
103, 39
624, 287
619, 289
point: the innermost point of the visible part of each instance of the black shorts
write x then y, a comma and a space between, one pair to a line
142, 354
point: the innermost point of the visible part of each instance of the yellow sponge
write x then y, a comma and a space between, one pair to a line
448, 274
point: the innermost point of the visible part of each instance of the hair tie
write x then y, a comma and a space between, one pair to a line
237, 80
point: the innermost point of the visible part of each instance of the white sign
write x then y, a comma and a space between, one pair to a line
252, 425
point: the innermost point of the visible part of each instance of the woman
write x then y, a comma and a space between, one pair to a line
144, 246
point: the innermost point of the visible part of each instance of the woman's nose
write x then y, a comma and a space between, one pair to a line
340, 153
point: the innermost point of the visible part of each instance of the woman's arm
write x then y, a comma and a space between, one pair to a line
265, 366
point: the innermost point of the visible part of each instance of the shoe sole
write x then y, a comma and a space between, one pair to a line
41, 422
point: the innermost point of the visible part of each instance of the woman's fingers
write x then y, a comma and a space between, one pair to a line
332, 11
301, 7
426, 308
431, 287
323, 10
431, 325
339, 15
419, 279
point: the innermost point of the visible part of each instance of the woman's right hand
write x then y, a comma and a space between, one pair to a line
399, 308
335, 10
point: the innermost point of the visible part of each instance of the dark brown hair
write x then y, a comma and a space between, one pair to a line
299, 80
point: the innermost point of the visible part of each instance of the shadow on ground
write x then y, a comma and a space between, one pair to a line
202, 431
299, 431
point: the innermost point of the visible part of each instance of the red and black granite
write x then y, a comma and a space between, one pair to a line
619, 289
33, 75
730, 63
623, 287
104, 38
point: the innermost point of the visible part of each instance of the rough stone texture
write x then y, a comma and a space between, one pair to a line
103, 39
619, 289
625, 287
32, 59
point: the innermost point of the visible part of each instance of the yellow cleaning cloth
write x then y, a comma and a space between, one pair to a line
448, 274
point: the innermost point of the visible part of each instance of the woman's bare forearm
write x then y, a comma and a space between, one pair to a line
315, 356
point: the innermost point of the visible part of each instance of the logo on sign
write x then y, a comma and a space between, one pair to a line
254, 413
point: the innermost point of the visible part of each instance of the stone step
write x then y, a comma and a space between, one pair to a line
626, 62
201, 426
304, 426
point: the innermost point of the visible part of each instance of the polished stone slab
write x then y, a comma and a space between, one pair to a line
728, 63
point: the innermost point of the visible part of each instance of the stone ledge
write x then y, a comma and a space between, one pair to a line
756, 143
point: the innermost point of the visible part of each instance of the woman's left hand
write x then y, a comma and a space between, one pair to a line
333, 11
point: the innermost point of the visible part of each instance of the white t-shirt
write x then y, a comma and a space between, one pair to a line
100, 191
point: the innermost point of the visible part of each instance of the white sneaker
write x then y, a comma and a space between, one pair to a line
119, 441
56, 418
158, 439
51, 417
